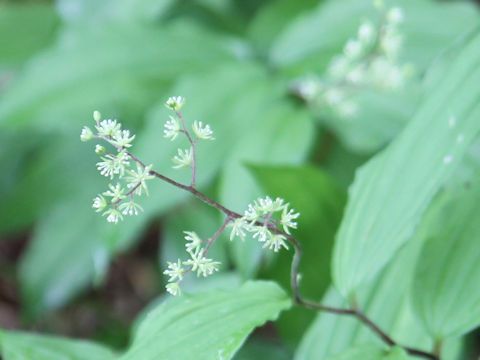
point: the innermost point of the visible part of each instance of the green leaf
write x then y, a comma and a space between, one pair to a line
320, 203
62, 256
391, 192
446, 295
25, 346
21, 21
206, 326
372, 352
116, 69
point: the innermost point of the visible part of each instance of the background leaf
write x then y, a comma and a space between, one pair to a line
190, 327
446, 294
25, 346
377, 221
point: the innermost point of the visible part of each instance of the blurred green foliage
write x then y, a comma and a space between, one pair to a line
235, 62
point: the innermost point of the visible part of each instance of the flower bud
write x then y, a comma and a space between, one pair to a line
97, 116
99, 149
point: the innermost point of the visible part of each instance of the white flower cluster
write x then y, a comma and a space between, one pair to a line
370, 60
263, 219
198, 262
120, 198
175, 126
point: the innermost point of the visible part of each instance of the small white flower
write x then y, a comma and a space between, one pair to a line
175, 103
116, 192
353, 49
308, 88
123, 139
356, 76
287, 219
113, 215
395, 16
86, 134
275, 242
113, 165
391, 44
108, 127
99, 149
201, 264
173, 288
172, 128
366, 32
107, 167
99, 203
262, 232
195, 241
239, 226
252, 213
338, 66
175, 271
130, 208
347, 109
183, 159
334, 96
139, 178
204, 133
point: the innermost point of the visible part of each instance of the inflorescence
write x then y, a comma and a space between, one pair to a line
369, 61
269, 221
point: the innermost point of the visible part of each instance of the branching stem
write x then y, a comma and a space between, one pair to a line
294, 274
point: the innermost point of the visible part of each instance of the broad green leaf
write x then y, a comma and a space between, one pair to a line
446, 295
62, 256
391, 192
29, 346
116, 69
35, 183
206, 326
18, 23
372, 352
320, 203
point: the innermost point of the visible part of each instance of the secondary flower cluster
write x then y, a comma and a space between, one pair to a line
198, 263
369, 60
262, 219
118, 200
